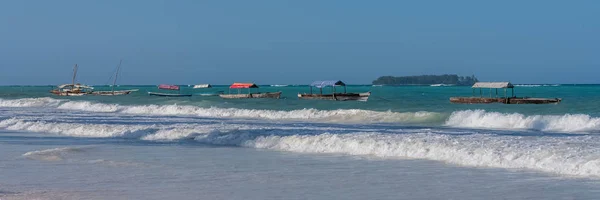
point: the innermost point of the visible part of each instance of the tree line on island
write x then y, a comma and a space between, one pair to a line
449, 79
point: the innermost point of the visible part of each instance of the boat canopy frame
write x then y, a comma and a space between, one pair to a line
328, 83
494, 85
197, 86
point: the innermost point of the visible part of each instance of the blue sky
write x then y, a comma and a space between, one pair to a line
296, 42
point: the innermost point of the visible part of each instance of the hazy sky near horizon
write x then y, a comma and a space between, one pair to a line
296, 42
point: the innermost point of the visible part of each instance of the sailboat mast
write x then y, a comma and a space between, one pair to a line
116, 76
74, 74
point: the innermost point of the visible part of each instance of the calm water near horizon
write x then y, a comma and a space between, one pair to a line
406, 142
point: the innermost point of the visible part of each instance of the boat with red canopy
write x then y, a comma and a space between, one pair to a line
250, 94
168, 87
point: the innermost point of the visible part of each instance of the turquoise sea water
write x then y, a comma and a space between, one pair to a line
582, 99
405, 142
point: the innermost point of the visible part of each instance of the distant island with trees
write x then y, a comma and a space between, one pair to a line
449, 79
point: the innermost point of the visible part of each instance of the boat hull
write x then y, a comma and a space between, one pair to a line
168, 95
272, 95
113, 93
68, 93
337, 97
512, 100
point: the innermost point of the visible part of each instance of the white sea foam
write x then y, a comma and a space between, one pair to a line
573, 155
350, 115
88, 106
183, 131
151, 132
78, 129
541, 153
30, 102
62, 153
463, 119
340, 115
54, 154
555, 123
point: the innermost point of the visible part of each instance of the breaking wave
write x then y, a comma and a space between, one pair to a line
89, 106
478, 150
571, 123
77, 129
30, 102
573, 155
338, 116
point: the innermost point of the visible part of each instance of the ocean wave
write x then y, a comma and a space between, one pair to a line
569, 123
61, 153
149, 132
340, 115
477, 150
89, 106
54, 154
78, 129
555, 123
574, 155
31, 102
335, 116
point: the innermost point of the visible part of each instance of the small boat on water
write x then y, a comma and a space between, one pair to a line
500, 99
168, 87
345, 96
73, 89
168, 94
249, 86
112, 92
202, 86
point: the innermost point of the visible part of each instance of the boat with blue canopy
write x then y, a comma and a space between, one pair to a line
334, 95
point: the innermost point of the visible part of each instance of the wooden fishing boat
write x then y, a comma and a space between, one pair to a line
500, 99
112, 92
345, 96
168, 94
249, 86
72, 89
168, 87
